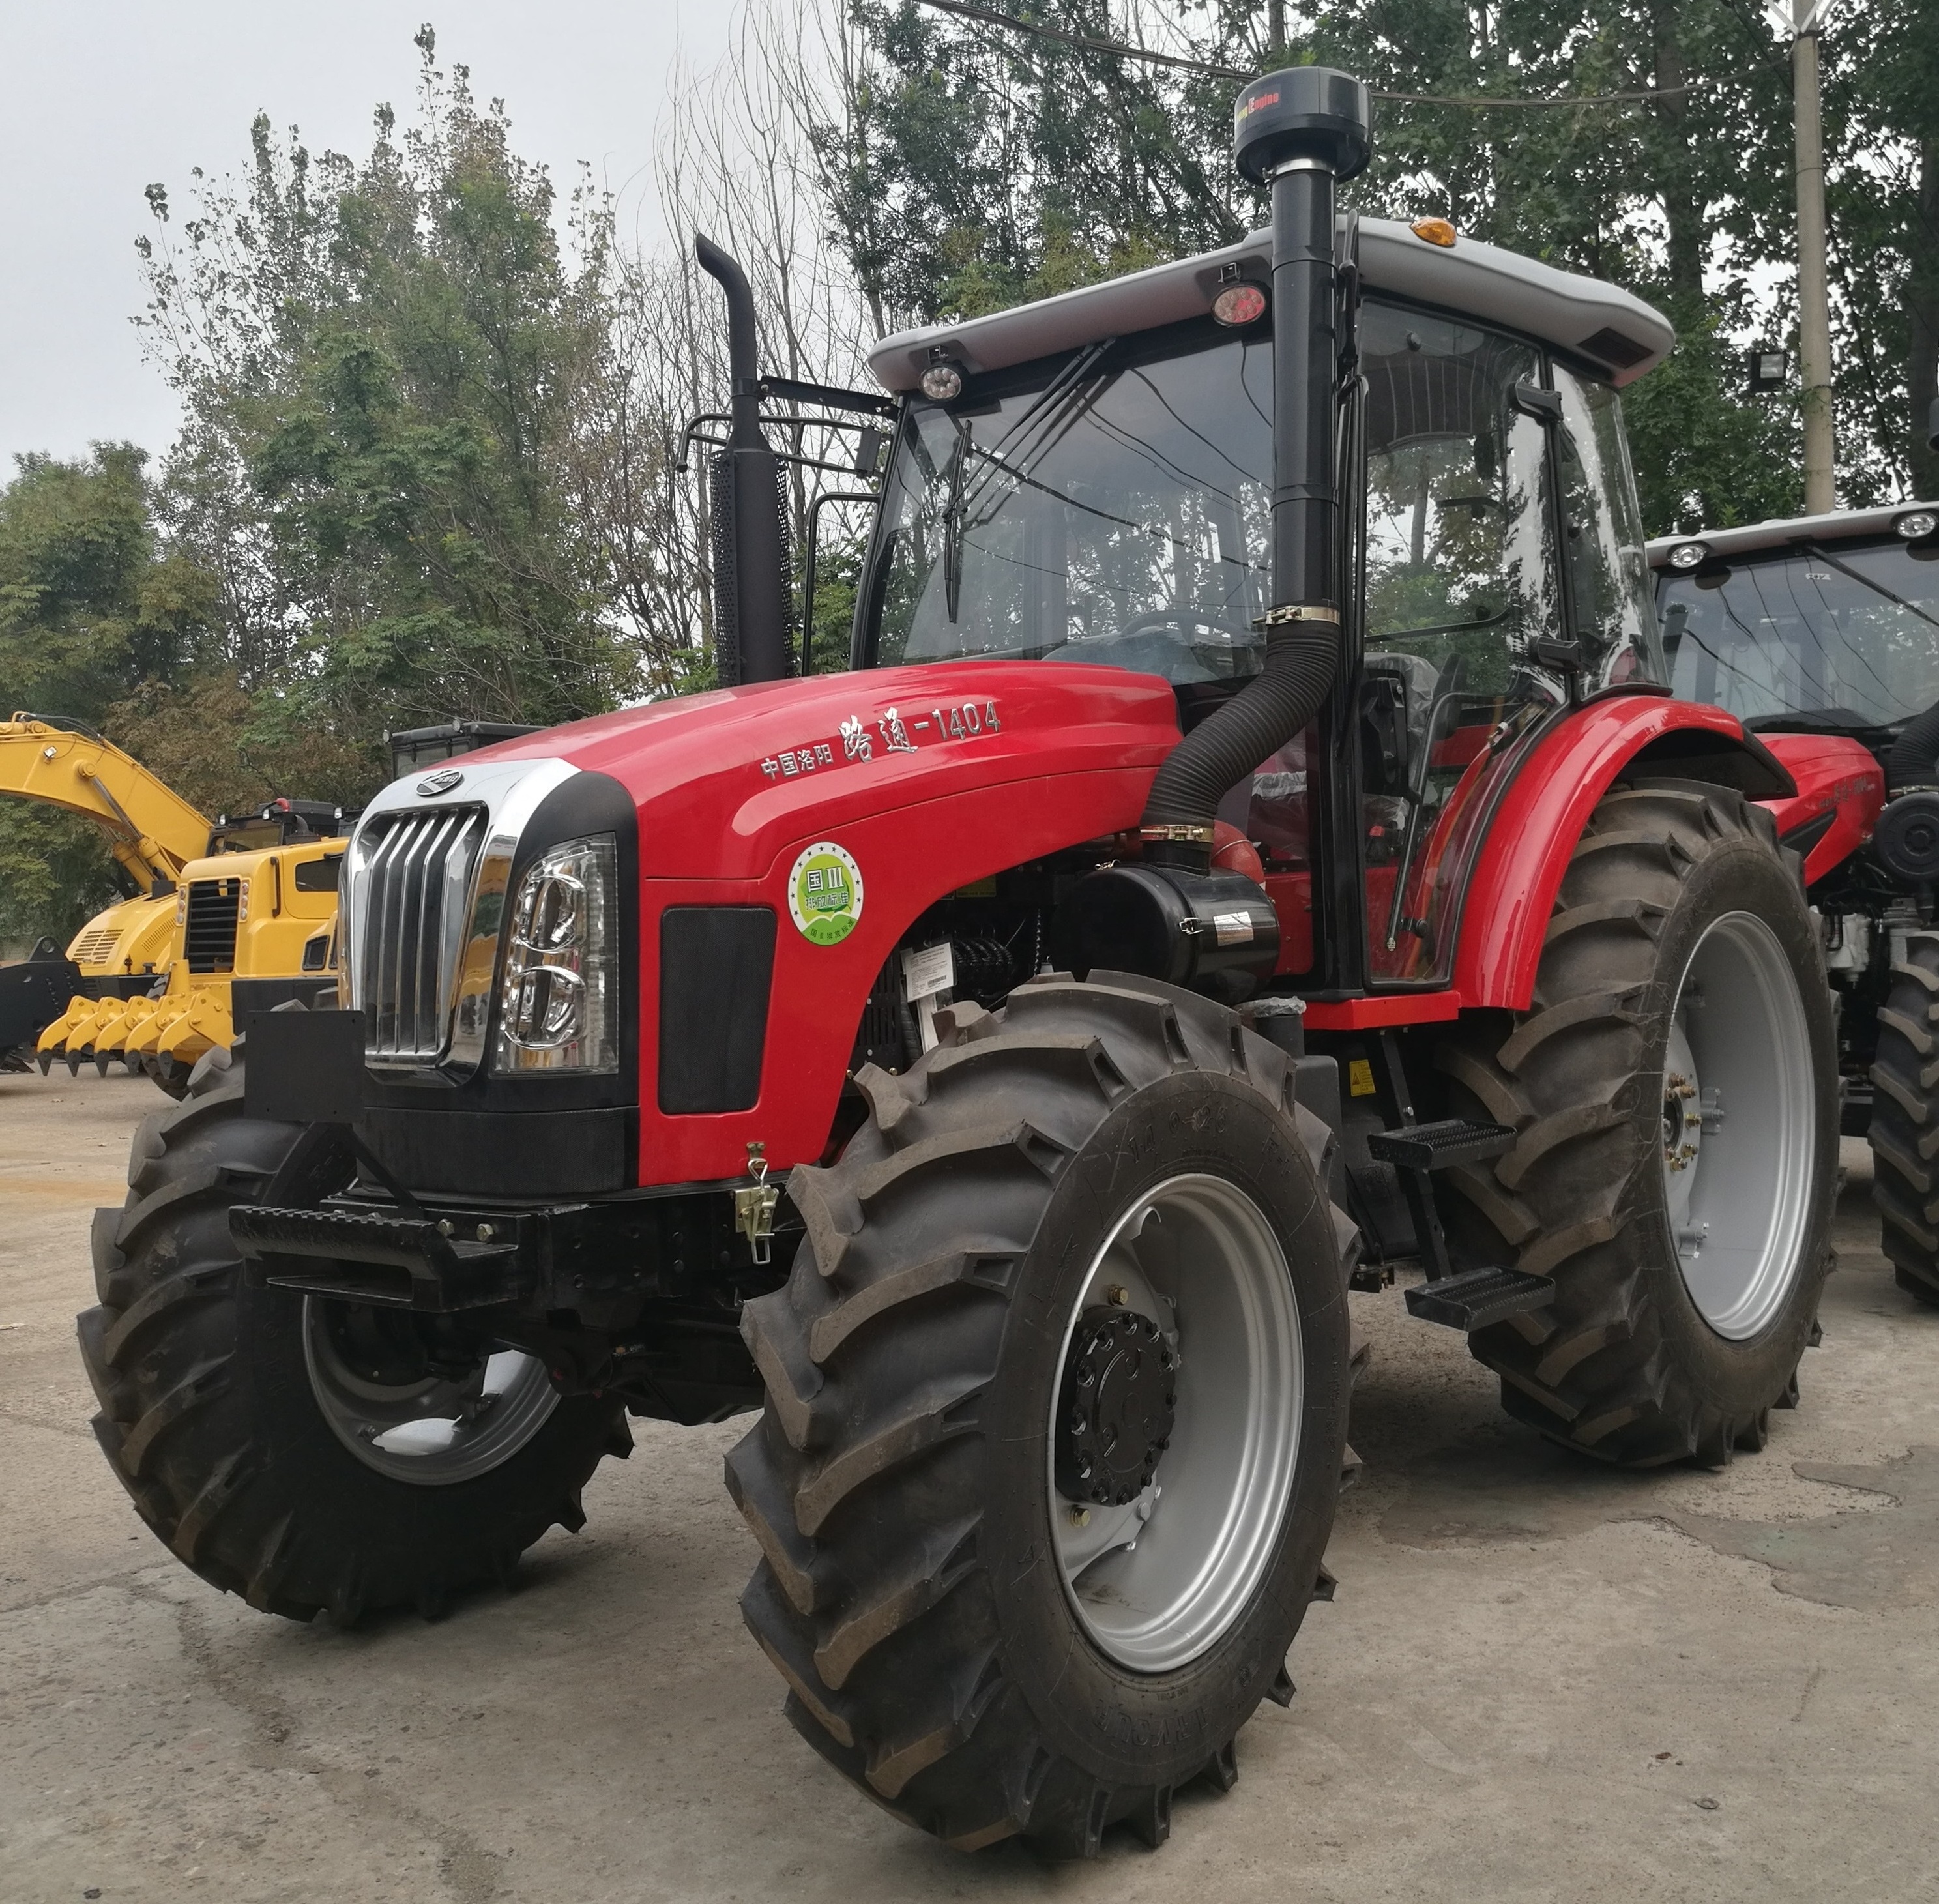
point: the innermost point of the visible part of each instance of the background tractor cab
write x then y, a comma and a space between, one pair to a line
1821, 633
1255, 849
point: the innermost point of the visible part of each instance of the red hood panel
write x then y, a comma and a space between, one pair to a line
1834, 775
723, 780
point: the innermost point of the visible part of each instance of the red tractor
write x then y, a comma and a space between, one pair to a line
1820, 632
1254, 849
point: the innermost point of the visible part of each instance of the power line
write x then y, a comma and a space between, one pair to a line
989, 17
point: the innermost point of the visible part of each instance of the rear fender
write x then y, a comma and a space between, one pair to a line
1517, 877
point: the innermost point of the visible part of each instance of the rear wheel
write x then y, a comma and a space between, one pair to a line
307, 1454
1674, 1090
1056, 1405
1904, 1129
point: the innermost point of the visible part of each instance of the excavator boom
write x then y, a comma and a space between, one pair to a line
151, 830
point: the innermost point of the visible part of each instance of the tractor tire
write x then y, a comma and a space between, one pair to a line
1681, 982
229, 1412
1904, 1131
918, 1506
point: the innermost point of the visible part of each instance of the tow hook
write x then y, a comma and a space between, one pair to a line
754, 1206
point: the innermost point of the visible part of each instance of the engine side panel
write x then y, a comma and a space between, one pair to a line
1834, 775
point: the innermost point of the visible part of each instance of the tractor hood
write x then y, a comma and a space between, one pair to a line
723, 781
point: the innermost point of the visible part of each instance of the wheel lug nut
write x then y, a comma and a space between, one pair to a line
1119, 1294
1080, 1517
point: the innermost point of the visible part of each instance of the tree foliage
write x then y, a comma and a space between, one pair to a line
384, 365
973, 166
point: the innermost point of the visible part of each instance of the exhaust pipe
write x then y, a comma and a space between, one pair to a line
750, 586
1300, 133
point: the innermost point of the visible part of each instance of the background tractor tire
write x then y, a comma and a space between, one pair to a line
1904, 1132
209, 1417
911, 1589
1624, 1364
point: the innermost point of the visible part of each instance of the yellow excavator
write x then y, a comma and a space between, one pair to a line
225, 919
252, 928
152, 832
247, 924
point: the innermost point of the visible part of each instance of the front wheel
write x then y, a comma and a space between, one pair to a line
1056, 1405
308, 1453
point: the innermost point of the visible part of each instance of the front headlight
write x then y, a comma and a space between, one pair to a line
556, 996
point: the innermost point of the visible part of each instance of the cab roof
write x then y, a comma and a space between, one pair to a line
1789, 532
1597, 323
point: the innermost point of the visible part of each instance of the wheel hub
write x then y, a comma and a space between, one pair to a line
1120, 1400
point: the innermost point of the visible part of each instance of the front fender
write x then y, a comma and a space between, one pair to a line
1518, 873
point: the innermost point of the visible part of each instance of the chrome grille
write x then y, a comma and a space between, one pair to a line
410, 891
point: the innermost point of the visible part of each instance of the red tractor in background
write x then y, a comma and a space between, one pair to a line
1254, 849
1822, 633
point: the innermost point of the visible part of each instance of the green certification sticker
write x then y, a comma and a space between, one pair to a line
825, 893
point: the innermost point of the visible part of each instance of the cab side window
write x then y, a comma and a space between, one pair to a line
1460, 580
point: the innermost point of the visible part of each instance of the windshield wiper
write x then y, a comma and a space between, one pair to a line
1824, 554
952, 521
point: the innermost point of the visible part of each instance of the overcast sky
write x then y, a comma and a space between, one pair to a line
99, 97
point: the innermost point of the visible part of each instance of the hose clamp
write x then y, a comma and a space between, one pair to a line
1178, 833
1298, 611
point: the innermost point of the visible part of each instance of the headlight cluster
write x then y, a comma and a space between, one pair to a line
555, 998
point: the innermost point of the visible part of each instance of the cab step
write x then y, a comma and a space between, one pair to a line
1473, 1298
1441, 1146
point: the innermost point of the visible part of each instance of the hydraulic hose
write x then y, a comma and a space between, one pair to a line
1301, 658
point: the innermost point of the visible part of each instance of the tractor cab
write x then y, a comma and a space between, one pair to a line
1089, 480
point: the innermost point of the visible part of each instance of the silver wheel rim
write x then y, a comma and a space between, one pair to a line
1740, 1125
1157, 1582
434, 1432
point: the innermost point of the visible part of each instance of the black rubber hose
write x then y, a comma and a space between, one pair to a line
1914, 759
1301, 658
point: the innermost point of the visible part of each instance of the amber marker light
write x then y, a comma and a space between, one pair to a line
1435, 231
1238, 304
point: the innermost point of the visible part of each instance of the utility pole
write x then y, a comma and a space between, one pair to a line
1814, 307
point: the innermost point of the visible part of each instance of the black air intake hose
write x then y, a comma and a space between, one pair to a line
1914, 759
1301, 658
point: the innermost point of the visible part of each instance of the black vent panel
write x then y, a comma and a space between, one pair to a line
717, 969
209, 941
1611, 346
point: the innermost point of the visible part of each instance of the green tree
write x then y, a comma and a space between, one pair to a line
383, 366
969, 157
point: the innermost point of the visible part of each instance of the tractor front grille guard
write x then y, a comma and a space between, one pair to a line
414, 880
424, 891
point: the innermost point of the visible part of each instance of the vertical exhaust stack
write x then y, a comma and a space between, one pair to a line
1298, 132
1169, 915
751, 587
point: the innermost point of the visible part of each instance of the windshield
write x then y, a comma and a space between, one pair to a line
1846, 635
1118, 513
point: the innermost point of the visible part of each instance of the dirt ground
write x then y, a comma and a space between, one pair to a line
1539, 1680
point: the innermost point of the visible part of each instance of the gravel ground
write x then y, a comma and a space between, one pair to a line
1539, 1680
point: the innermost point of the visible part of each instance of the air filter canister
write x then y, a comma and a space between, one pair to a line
1215, 931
